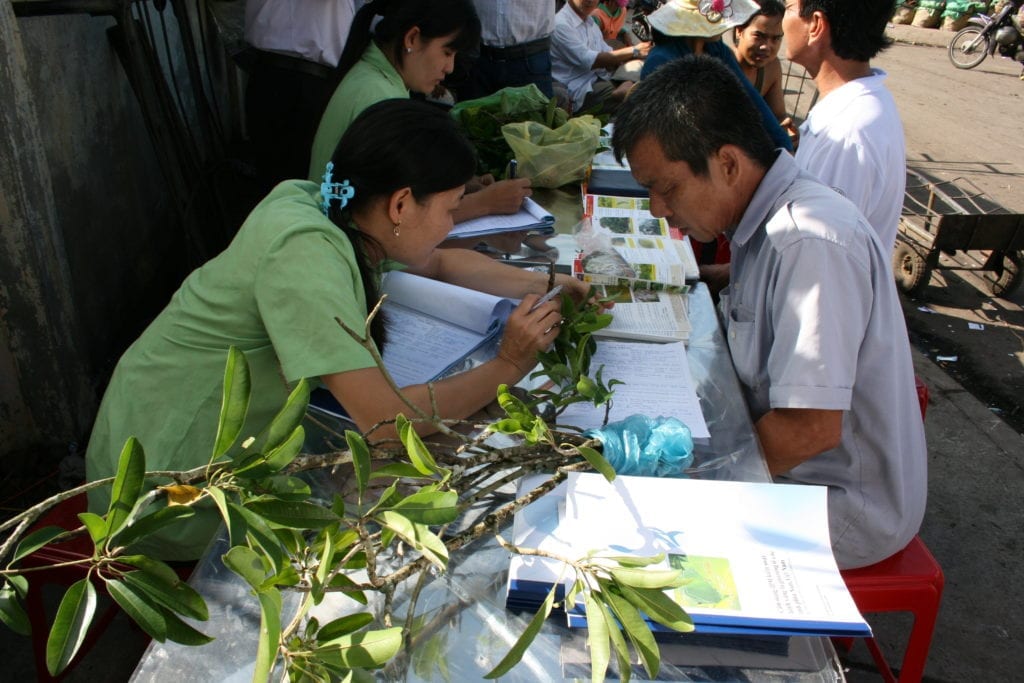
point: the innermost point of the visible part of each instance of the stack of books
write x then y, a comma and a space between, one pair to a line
757, 555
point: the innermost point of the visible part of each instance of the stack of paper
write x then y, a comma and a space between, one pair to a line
757, 555
530, 217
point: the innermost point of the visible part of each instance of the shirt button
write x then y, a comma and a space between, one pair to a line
732, 334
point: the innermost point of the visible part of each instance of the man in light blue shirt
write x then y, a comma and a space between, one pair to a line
811, 313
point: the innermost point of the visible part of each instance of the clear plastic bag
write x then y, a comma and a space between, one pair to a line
553, 157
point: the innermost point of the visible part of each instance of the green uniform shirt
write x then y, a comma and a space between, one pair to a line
371, 80
274, 294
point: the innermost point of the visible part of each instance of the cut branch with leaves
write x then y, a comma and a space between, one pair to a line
389, 528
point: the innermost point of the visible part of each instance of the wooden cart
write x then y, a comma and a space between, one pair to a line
951, 216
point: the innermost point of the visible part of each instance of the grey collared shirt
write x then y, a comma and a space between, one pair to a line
813, 321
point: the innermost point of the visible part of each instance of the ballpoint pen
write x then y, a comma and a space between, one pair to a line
513, 168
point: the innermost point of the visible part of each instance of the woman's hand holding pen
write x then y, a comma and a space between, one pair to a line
530, 329
505, 196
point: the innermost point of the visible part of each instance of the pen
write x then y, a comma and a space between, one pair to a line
546, 298
513, 168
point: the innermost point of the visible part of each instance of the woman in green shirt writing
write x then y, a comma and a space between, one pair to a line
275, 291
411, 48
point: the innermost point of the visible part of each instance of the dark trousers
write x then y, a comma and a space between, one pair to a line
488, 75
283, 106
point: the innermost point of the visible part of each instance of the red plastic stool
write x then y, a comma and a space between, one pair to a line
909, 581
922, 395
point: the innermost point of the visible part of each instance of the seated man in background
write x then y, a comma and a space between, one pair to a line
756, 45
853, 137
583, 62
811, 314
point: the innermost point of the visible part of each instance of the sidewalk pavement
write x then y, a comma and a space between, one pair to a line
973, 527
914, 35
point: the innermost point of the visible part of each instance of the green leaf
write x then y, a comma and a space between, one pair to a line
235, 524
619, 643
74, 615
323, 569
262, 535
281, 456
343, 627
287, 419
154, 567
419, 456
368, 650
418, 536
293, 514
635, 560
136, 605
343, 582
176, 596
234, 402
598, 462
648, 578
180, 632
529, 633
636, 629
659, 607
597, 638
360, 459
35, 540
151, 523
398, 469
131, 471
430, 507
95, 525
12, 614
270, 633
513, 407
286, 487
247, 564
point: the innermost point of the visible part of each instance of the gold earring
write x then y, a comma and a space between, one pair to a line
408, 50
397, 229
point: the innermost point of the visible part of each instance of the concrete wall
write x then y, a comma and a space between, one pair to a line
90, 246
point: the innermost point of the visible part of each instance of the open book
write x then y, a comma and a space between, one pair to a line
757, 555
656, 382
531, 216
433, 327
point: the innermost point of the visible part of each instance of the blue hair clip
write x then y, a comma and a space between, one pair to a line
328, 191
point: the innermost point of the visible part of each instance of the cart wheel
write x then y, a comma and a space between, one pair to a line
1007, 277
909, 267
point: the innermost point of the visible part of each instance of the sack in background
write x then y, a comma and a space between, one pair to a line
553, 157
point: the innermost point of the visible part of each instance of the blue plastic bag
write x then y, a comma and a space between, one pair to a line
646, 447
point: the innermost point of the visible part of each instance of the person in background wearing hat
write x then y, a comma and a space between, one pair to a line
695, 27
811, 314
582, 61
756, 46
853, 137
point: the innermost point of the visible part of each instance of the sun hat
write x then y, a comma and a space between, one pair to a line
701, 18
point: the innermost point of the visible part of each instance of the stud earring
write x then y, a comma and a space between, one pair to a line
408, 50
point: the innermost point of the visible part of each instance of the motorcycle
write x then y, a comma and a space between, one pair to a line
640, 24
985, 34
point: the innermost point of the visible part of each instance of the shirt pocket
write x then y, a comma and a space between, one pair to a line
744, 346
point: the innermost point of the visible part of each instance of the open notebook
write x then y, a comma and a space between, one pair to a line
531, 216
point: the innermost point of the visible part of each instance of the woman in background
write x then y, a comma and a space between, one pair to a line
412, 47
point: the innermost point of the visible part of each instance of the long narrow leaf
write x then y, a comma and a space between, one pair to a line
515, 655
430, 507
74, 615
360, 459
270, 634
281, 456
152, 523
418, 536
637, 630
35, 540
598, 462
597, 638
287, 419
178, 596
180, 632
342, 627
234, 523
260, 533
659, 607
419, 455
95, 525
293, 515
619, 644
247, 564
131, 471
234, 402
368, 650
136, 605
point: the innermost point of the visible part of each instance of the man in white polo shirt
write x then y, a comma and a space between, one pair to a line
811, 314
852, 138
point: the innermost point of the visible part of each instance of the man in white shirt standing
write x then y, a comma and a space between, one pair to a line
583, 62
852, 138
294, 47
